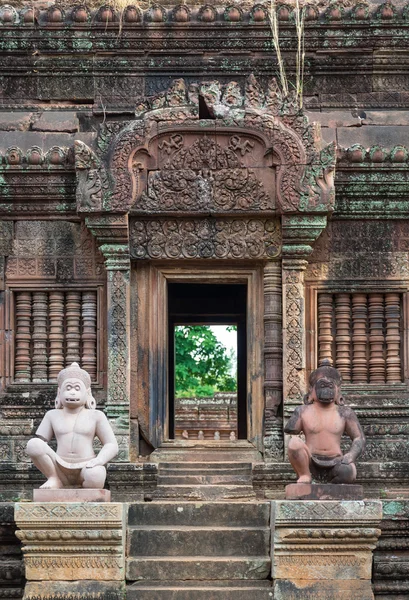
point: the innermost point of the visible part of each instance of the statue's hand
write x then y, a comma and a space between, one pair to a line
93, 463
347, 459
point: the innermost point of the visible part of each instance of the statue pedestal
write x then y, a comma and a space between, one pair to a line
71, 495
325, 491
323, 549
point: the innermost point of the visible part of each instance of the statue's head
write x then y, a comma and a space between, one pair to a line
74, 388
325, 385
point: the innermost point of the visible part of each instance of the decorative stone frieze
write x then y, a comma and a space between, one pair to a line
71, 541
215, 238
323, 549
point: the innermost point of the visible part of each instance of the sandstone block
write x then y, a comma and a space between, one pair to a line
197, 568
57, 121
322, 590
74, 590
308, 491
71, 495
15, 121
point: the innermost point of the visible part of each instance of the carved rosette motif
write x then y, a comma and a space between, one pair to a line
205, 238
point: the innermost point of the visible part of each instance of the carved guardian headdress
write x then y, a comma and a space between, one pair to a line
74, 371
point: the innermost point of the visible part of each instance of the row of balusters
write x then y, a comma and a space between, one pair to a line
54, 329
361, 334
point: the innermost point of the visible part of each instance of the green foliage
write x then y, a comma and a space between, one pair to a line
202, 363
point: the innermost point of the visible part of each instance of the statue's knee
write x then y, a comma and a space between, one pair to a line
345, 473
295, 445
94, 477
36, 448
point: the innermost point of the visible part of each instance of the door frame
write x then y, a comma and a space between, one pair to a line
149, 347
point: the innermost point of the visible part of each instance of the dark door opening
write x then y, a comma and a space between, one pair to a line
201, 304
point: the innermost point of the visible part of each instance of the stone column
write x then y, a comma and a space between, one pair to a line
111, 232
273, 361
323, 549
72, 550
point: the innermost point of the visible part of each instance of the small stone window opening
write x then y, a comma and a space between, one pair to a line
52, 330
361, 333
205, 112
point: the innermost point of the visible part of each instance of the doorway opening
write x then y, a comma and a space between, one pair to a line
207, 352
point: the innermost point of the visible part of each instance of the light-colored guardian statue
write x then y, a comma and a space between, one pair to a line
74, 423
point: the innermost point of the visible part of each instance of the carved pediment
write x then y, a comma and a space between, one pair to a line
253, 151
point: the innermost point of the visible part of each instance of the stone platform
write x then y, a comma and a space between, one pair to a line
329, 491
71, 495
286, 549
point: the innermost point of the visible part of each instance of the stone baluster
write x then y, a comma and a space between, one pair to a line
359, 338
40, 355
325, 338
89, 333
376, 339
343, 335
73, 332
56, 359
393, 317
23, 337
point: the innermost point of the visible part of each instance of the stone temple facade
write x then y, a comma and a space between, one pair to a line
149, 149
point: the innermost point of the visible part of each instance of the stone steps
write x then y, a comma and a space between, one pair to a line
198, 551
203, 590
202, 481
197, 567
202, 493
168, 541
214, 466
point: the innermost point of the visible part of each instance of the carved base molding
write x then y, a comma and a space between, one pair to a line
323, 549
391, 556
11, 558
71, 541
74, 590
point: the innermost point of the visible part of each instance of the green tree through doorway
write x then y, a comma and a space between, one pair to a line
203, 365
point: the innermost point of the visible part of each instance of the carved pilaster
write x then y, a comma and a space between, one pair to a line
273, 381
293, 329
299, 234
111, 232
